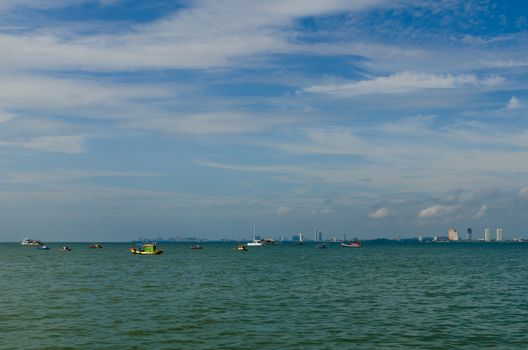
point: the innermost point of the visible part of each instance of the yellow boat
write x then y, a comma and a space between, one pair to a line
146, 249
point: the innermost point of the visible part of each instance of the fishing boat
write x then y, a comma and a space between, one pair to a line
32, 242
241, 248
43, 247
353, 244
196, 247
64, 249
146, 249
96, 246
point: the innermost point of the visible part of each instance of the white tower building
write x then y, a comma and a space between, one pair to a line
487, 234
500, 237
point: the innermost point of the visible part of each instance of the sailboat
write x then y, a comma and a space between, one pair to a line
256, 242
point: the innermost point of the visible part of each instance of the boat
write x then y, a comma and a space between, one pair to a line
268, 241
241, 248
256, 242
96, 246
353, 244
301, 240
32, 242
43, 247
146, 249
64, 249
196, 247
320, 246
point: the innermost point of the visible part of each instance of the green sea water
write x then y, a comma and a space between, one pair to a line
382, 296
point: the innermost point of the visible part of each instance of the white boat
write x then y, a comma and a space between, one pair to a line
256, 242
29, 241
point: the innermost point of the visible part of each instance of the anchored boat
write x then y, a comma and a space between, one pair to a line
96, 246
353, 244
146, 249
241, 248
29, 241
256, 242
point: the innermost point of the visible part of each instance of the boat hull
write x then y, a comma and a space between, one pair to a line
140, 252
351, 245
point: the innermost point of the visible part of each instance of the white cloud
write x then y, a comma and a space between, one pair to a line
5, 117
207, 124
435, 210
38, 4
327, 211
481, 213
37, 91
209, 34
523, 192
379, 214
416, 125
283, 210
63, 176
505, 63
326, 141
404, 82
65, 144
514, 103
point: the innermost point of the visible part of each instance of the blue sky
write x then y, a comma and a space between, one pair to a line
195, 118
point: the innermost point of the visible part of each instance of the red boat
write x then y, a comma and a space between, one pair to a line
353, 244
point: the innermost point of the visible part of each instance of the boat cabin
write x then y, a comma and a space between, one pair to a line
149, 247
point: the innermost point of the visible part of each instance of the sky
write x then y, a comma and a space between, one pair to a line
374, 118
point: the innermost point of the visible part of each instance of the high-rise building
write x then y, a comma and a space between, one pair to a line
469, 234
487, 234
320, 236
452, 234
500, 237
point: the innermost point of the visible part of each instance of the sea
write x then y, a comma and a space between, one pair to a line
385, 295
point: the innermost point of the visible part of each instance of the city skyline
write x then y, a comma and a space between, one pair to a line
121, 118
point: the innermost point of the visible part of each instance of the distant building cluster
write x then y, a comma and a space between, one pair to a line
452, 235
